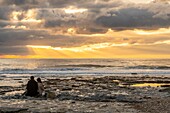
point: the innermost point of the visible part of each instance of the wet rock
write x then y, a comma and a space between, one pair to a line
66, 88
12, 110
165, 90
17, 96
51, 95
124, 98
134, 73
17, 79
2, 93
120, 97
6, 87
73, 78
147, 97
73, 102
63, 110
101, 97
67, 96
168, 85
20, 82
75, 85
103, 105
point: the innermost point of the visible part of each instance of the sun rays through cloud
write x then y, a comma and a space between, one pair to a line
84, 29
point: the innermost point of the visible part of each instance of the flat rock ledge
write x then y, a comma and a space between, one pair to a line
12, 110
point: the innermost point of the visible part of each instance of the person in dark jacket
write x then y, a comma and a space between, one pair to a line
32, 87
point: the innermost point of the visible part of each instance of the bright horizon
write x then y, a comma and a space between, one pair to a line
85, 29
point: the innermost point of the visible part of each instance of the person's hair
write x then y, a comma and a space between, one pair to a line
32, 77
39, 80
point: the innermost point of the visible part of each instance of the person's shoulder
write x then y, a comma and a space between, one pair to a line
29, 81
35, 81
32, 81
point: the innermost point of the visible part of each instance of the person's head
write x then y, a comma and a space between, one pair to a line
32, 77
39, 80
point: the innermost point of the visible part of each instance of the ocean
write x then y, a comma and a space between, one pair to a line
66, 67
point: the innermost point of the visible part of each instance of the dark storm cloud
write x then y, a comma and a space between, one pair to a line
13, 50
90, 4
132, 18
19, 37
3, 24
59, 3
19, 2
5, 12
91, 30
15, 41
16, 2
10, 37
59, 23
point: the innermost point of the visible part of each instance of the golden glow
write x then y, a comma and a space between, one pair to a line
163, 42
114, 49
72, 10
48, 54
138, 33
153, 32
24, 16
71, 31
149, 84
41, 47
139, 1
101, 50
91, 47
15, 27
86, 51
116, 44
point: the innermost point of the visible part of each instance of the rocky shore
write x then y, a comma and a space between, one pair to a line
92, 94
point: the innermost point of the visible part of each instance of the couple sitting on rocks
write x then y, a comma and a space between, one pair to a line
34, 88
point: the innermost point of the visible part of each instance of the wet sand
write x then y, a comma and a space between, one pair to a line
91, 94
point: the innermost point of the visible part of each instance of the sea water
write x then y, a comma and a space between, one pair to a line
65, 67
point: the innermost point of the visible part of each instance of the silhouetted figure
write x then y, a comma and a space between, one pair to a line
32, 87
40, 87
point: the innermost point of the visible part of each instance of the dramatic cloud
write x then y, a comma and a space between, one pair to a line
90, 27
132, 18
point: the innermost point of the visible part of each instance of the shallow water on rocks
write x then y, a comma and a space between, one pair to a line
149, 85
82, 94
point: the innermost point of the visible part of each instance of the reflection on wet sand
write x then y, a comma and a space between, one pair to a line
149, 85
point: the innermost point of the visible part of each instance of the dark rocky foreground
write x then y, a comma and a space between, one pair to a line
86, 94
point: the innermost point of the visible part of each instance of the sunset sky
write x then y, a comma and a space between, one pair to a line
84, 28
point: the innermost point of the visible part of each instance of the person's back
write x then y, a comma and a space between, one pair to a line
32, 87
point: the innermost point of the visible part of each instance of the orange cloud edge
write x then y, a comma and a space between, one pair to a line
81, 57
